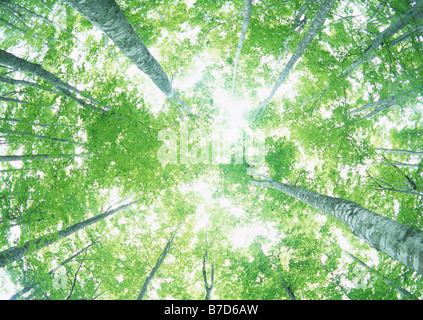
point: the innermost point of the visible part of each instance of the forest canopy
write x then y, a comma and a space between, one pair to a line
197, 149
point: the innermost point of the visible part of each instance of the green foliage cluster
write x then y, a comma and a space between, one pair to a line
82, 160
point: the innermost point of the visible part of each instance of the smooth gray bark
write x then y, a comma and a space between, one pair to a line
285, 284
401, 242
389, 104
409, 16
378, 103
412, 153
398, 288
153, 272
209, 287
109, 18
27, 288
22, 65
316, 25
246, 21
24, 83
18, 252
298, 25
5, 99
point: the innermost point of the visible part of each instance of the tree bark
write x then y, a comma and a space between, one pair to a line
108, 17
22, 65
156, 268
298, 25
246, 21
285, 284
401, 242
23, 82
27, 288
209, 287
316, 25
393, 285
378, 103
18, 252
412, 153
405, 18
5, 99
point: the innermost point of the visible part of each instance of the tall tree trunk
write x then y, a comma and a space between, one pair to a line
401, 242
209, 287
412, 153
316, 25
23, 82
22, 65
285, 284
153, 272
378, 103
108, 17
27, 288
5, 99
392, 284
18, 252
298, 25
409, 16
391, 103
246, 21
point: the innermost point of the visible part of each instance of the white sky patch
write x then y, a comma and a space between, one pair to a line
342, 241
202, 218
190, 3
242, 237
7, 288
232, 113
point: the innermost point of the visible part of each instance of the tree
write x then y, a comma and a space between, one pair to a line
245, 22
108, 17
18, 252
150, 277
319, 95
399, 241
318, 20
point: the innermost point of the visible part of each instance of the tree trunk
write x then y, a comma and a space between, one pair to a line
246, 21
18, 252
285, 284
5, 99
22, 65
378, 103
298, 25
209, 287
156, 268
408, 16
412, 153
398, 288
23, 82
401, 242
27, 288
316, 25
391, 103
108, 17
